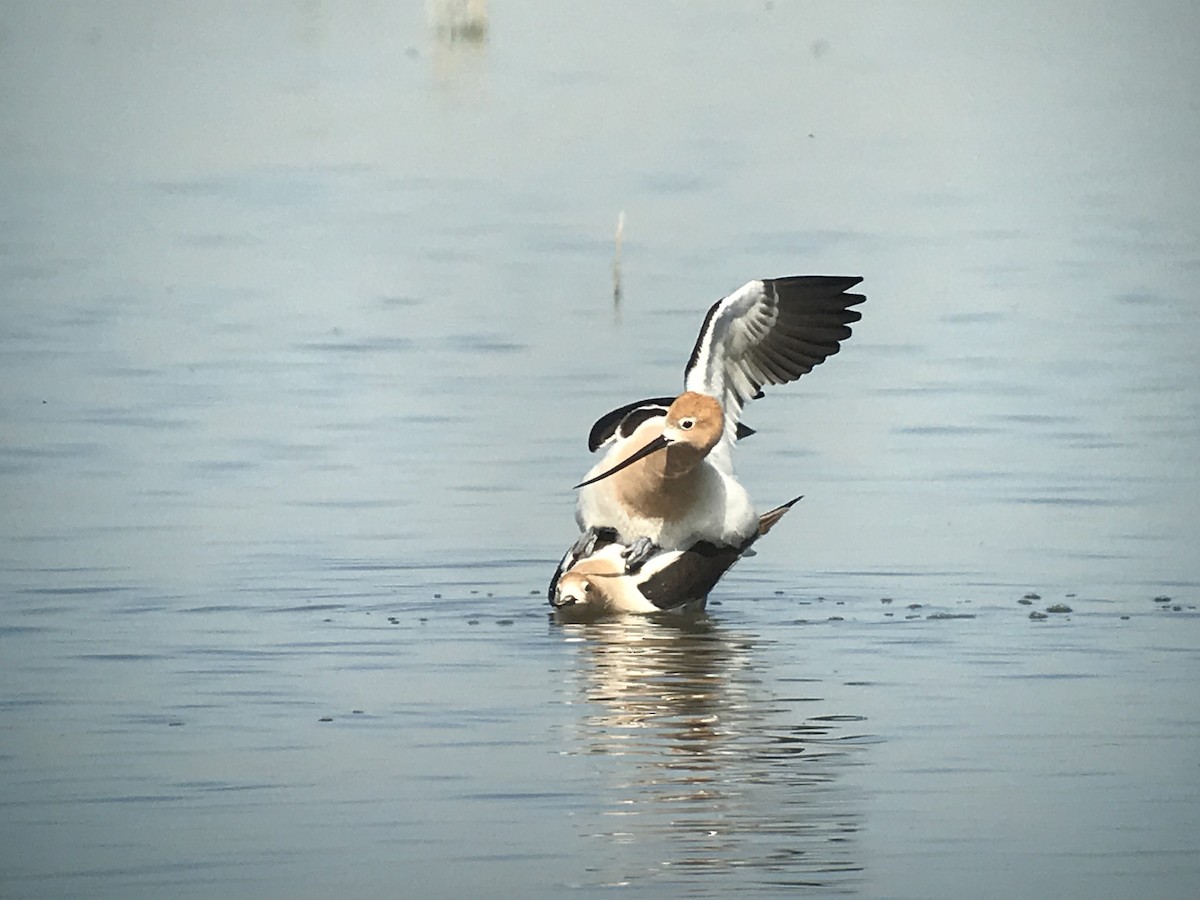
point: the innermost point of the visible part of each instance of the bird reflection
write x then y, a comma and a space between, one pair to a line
712, 774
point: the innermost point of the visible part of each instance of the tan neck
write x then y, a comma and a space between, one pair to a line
661, 485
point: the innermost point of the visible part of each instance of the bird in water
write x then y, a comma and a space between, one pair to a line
666, 482
671, 581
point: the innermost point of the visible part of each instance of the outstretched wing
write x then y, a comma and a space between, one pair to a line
769, 332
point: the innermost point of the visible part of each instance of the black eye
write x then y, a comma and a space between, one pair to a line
685, 424
586, 587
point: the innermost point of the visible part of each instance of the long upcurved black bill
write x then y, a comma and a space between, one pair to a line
654, 446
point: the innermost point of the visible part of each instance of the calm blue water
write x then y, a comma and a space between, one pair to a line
305, 312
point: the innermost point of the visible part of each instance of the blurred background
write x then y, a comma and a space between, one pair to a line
313, 264
306, 309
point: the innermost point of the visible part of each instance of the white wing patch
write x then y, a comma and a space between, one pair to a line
768, 332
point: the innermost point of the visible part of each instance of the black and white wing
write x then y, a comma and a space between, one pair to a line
769, 332
622, 423
686, 576
690, 575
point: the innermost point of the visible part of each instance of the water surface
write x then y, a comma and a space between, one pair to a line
305, 312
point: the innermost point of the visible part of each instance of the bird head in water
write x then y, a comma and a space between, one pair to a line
588, 584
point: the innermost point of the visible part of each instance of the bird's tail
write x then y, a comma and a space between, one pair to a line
768, 519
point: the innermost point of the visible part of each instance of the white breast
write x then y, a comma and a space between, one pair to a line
722, 513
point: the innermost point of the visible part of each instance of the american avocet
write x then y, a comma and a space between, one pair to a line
767, 332
670, 581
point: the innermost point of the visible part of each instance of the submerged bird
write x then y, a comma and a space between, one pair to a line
667, 482
670, 581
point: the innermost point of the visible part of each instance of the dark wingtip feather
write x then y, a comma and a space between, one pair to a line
833, 284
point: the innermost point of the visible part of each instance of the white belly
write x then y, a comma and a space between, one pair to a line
718, 510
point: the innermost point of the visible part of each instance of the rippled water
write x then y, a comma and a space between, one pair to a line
305, 312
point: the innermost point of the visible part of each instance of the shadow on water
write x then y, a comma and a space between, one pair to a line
709, 771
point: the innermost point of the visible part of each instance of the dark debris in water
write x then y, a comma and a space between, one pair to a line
1058, 608
1025, 601
1162, 599
945, 615
1032, 596
1038, 616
